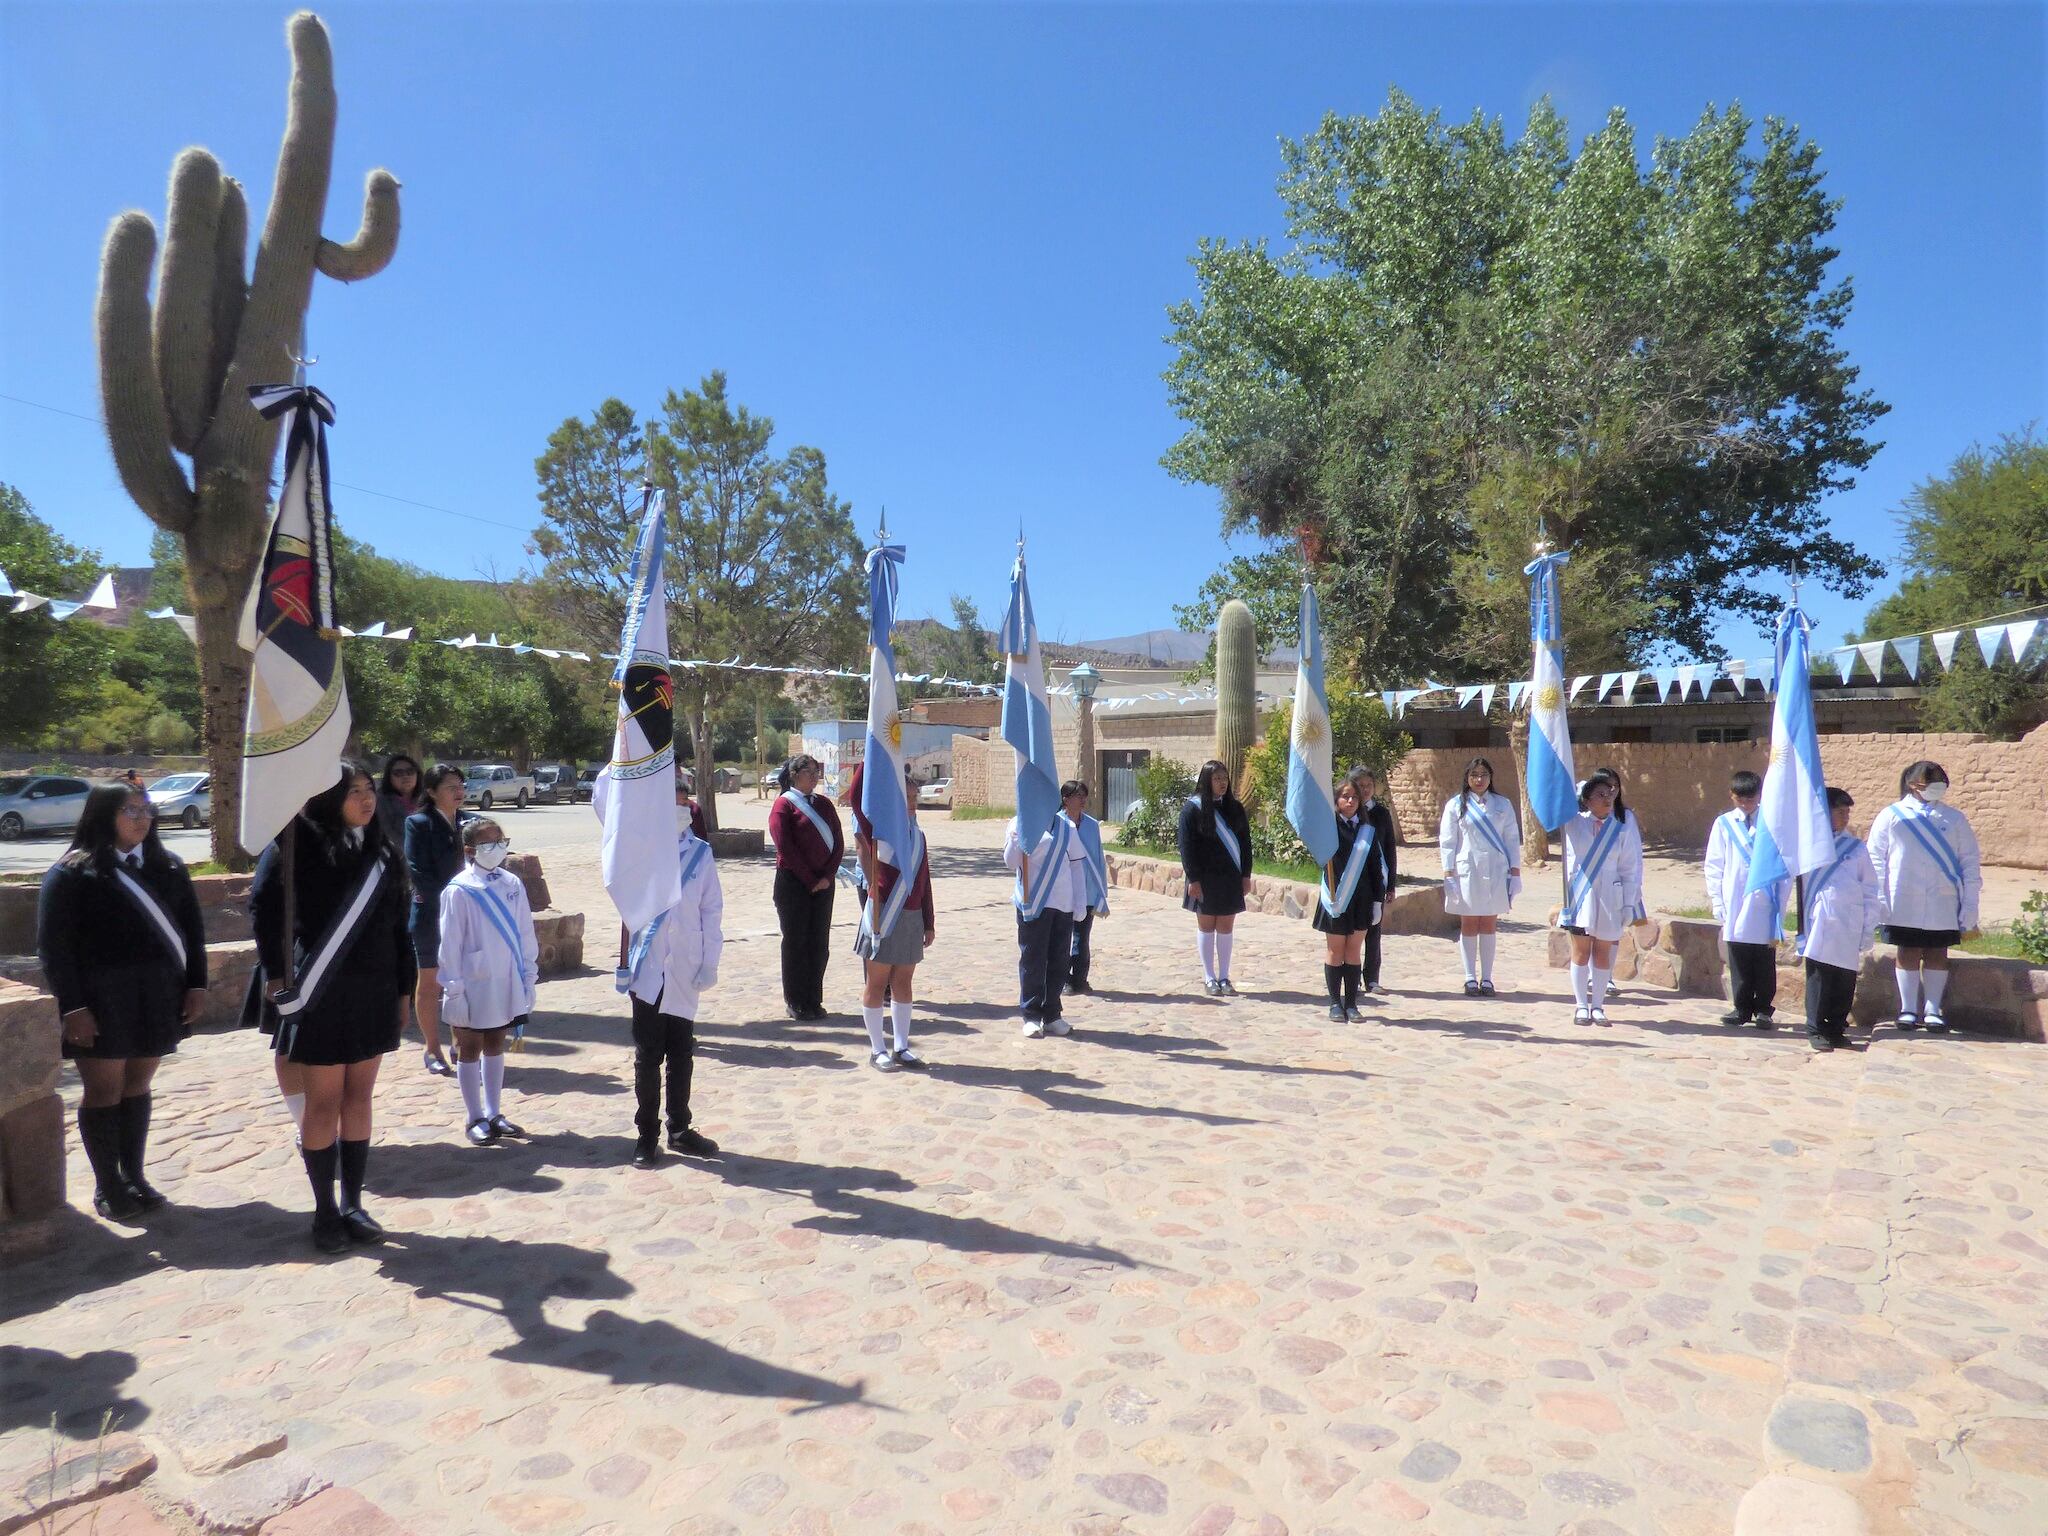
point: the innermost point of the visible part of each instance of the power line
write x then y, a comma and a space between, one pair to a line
361, 490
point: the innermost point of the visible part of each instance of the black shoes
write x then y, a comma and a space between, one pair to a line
481, 1133
1735, 1018
1471, 987
689, 1143
1822, 1044
646, 1153
1764, 1021
1337, 1014
360, 1227
1079, 989
500, 1126
119, 1202
1486, 989
330, 1233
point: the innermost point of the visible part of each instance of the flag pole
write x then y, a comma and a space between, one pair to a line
288, 840
1799, 880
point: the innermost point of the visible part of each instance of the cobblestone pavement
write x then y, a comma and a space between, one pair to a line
1203, 1266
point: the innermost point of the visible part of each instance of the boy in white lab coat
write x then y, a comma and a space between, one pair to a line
1751, 921
490, 965
1928, 864
1844, 905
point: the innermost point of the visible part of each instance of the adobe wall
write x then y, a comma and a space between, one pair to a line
985, 773
1678, 788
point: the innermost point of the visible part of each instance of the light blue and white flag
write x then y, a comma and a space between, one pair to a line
1027, 716
1553, 782
882, 797
635, 795
1793, 832
1311, 810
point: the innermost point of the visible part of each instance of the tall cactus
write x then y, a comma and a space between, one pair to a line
174, 376
1237, 716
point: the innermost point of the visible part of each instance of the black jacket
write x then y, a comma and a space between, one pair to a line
1386, 844
1202, 854
326, 879
86, 922
433, 853
1372, 879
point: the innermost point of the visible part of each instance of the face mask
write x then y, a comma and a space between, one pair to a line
1934, 793
491, 855
683, 818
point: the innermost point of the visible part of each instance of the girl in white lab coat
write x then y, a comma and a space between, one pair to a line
1926, 860
490, 965
1480, 838
1844, 906
1603, 870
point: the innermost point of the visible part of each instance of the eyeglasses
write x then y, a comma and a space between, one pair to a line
136, 812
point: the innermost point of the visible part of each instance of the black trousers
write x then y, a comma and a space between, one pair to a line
663, 1044
1369, 957
1045, 949
806, 917
1752, 978
1830, 992
1078, 956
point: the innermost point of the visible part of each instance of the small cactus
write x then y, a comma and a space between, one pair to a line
1237, 716
174, 375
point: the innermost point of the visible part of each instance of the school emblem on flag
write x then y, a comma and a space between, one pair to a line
647, 697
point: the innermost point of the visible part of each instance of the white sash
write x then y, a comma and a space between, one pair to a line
1744, 839
1934, 843
803, 803
333, 944
642, 942
1089, 830
899, 893
1226, 837
1581, 884
1482, 823
141, 895
1046, 873
1339, 902
499, 916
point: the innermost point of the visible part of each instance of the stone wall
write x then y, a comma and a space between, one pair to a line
1414, 909
31, 1121
1679, 788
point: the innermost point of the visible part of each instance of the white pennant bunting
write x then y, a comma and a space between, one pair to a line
1909, 656
1628, 686
1686, 675
1486, 693
1578, 683
1515, 692
2021, 635
1467, 692
1607, 682
1989, 638
1738, 674
1945, 647
1872, 652
1845, 662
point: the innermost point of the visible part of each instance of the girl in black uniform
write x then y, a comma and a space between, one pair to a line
1348, 902
1386, 843
338, 1005
124, 952
1216, 865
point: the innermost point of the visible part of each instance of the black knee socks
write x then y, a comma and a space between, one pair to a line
134, 1136
1333, 978
320, 1164
1351, 986
355, 1159
99, 1127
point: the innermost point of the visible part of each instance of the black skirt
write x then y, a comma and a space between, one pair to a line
1220, 898
139, 1010
1922, 938
1356, 918
355, 1019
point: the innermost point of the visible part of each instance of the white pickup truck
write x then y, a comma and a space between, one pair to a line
492, 784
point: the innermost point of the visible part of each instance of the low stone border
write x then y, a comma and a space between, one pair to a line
1414, 909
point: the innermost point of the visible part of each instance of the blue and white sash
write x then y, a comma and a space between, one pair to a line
1096, 868
1934, 842
499, 917
1740, 832
1818, 881
332, 945
159, 919
1338, 902
1482, 823
1226, 837
818, 823
1046, 871
1588, 869
643, 942
880, 919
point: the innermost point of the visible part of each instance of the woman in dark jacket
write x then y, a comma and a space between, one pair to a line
1216, 864
124, 952
337, 983
808, 846
433, 857
399, 794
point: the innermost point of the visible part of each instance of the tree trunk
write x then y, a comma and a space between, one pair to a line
706, 775
1535, 841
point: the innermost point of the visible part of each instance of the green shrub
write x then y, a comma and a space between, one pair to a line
1163, 788
1361, 736
2031, 928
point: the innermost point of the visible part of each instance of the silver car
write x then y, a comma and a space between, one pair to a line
186, 798
31, 803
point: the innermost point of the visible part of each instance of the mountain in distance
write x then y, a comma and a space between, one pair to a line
1173, 648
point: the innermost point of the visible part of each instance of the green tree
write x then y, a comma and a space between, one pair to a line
49, 672
1976, 545
762, 559
1637, 358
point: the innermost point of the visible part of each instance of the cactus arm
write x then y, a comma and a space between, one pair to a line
371, 250
184, 296
138, 429
1236, 685
230, 285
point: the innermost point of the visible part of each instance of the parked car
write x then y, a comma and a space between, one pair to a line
491, 784
553, 784
586, 785
40, 803
186, 798
938, 794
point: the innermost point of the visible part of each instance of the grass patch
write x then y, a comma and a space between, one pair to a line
981, 813
2000, 943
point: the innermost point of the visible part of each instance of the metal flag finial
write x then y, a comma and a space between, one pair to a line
882, 528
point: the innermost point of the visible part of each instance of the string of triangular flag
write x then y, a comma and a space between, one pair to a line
101, 597
2005, 636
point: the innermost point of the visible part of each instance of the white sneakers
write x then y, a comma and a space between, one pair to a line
1033, 1030
1059, 1027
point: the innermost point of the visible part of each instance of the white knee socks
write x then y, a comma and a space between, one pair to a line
1934, 983
1205, 941
1579, 972
1909, 990
1468, 946
899, 1015
872, 1017
1596, 984
295, 1106
1223, 954
494, 1084
470, 1075
1486, 957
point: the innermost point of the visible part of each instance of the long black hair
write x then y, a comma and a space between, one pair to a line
1465, 783
419, 783
94, 841
323, 814
1620, 805
1205, 792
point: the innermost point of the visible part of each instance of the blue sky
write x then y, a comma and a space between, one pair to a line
937, 241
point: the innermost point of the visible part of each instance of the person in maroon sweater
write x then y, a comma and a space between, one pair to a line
808, 845
891, 961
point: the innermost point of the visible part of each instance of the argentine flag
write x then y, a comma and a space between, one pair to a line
882, 795
1311, 810
1793, 832
1027, 716
1553, 782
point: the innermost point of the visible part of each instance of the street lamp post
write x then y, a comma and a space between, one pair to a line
1085, 680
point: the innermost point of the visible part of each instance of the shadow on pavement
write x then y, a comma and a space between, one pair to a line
39, 1386
1058, 1090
